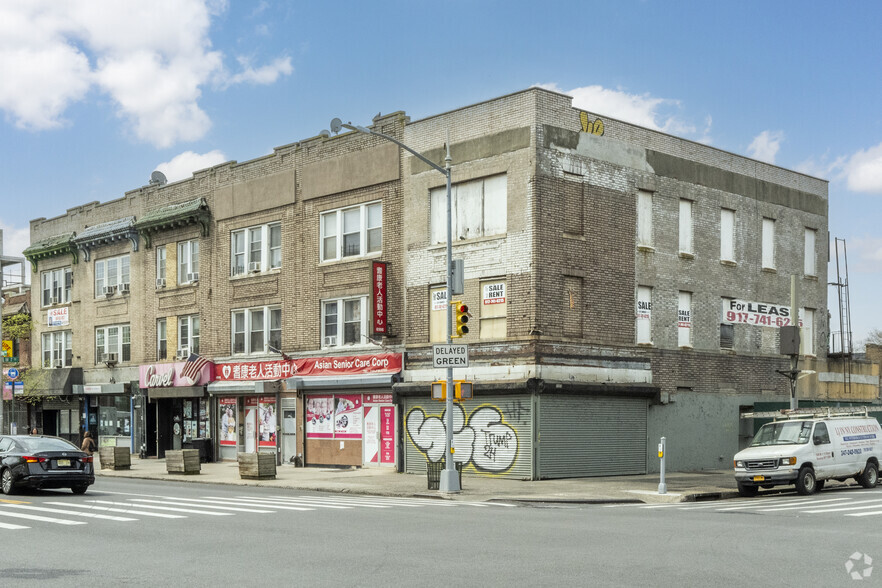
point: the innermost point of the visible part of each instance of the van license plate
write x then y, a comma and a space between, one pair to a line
759, 478
63, 463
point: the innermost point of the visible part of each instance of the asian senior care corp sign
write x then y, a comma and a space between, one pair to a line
351, 365
761, 314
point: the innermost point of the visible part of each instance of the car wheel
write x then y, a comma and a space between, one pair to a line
870, 477
745, 490
7, 483
805, 482
79, 488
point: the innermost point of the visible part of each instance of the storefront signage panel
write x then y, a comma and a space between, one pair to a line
384, 363
164, 375
57, 317
379, 308
227, 410
347, 416
319, 417
266, 416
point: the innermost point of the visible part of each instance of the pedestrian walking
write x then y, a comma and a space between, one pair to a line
88, 443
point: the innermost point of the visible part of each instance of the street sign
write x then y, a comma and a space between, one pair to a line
12, 373
7, 348
450, 356
13, 359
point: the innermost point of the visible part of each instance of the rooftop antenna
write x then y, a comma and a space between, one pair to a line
158, 178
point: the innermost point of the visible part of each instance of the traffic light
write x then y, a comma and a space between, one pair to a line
462, 318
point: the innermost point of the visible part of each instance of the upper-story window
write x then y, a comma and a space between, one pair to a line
727, 235
57, 349
811, 266
160, 266
644, 315
769, 243
113, 340
56, 286
161, 339
188, 335
256, 249
254, 329
479, 209
188, 261
344, 321
352, 232
644, 219
686, 226
111, 274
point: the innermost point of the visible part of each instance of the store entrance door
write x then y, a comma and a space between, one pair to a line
379, 435
289, 433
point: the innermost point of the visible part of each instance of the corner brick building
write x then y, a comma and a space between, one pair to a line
623, 284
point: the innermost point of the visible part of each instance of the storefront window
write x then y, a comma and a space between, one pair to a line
114, 416
227, 409
195, 419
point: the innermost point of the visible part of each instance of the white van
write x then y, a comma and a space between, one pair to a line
808, 447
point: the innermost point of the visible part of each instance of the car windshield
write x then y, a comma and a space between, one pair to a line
35, 444
785, 433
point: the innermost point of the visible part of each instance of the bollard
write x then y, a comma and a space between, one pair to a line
662, 487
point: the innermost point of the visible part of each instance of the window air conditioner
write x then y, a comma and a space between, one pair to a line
160, 282
111, 358
330, 341
184, 352
254, 266
53, 300
109, 290
124, 288
193, 277
59, 363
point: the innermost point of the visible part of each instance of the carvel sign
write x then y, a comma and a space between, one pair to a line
384, 363
164, 375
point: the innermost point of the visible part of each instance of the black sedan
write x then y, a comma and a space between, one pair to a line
36, 461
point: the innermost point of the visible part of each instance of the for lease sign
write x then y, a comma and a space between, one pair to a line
763, 314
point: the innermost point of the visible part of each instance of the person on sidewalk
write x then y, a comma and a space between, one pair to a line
88, 443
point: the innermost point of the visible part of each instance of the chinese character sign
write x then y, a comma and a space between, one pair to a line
379, 289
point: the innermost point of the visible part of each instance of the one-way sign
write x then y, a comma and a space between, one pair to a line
450, 356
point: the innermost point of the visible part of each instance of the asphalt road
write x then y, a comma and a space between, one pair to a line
164, 533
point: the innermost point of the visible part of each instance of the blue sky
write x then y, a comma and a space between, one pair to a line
97, 94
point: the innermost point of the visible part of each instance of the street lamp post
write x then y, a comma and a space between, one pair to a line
449, 479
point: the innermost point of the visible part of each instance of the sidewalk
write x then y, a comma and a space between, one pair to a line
681, 486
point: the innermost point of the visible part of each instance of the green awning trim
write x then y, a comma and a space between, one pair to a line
174, 216
106, 233
53, 246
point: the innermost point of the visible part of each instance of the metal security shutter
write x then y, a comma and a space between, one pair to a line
497, 438
591, 436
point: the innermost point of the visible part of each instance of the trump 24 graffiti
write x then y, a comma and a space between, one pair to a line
484, 439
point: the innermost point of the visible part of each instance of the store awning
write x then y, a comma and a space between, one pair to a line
102, 389
221, 388
176, 392
326, 382
53, 382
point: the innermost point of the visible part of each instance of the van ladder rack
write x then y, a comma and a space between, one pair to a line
805, 413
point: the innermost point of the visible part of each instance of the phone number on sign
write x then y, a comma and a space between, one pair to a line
763, 320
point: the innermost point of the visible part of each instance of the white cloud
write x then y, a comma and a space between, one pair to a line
640, 109
182, 166
863, 170
152, 58
866, 253
765, 146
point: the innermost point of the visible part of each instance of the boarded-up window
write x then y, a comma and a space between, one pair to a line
480, 209
438, 314
727, 234
644, 218
493, 309
769, 243
807, 332
572, 307
685, 226
684, 320
810, 263
727, 336
644, 314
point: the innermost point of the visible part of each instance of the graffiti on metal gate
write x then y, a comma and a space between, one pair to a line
484, 439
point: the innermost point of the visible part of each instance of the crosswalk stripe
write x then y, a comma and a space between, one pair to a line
345, 502
33, 517
862, 505
311, 503
69, 512
191, 503
161, 515
169, 508
863, 514
801, 506
12, 527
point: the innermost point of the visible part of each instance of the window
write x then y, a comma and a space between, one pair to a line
56, 286
686, 226
256, 328
684, 320
256, 249
110, 274
352, 232
344, 321
161, 339
768, 243
727, 336
188, 262
807, 332
644, 315
727, 235
493, 309
188, 334
438, 314
644, 218
480, 209
821, 436
160, 266
811, 236
113, 339
58, 349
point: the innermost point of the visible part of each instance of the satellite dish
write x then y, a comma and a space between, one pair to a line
157, 178
336, 125
325, 134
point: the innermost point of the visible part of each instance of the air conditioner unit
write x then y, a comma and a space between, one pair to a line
124, 288
59, 363
160, 282
184, 352
109, 290
53, 300
111, 358
193, 277
330, 341
254, 266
